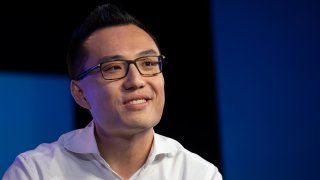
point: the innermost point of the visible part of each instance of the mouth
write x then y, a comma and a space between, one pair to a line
136, 100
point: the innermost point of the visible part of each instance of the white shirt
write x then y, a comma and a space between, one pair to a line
75, 156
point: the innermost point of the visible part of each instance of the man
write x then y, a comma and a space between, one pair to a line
116, 69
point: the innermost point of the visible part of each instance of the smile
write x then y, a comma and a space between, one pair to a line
137, 101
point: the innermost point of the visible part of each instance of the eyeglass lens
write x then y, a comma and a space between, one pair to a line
147, 66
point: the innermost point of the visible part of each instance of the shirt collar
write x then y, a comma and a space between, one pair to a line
83, 141
162, 147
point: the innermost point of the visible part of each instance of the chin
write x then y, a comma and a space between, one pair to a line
142, 123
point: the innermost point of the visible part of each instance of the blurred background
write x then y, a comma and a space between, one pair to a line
242, 80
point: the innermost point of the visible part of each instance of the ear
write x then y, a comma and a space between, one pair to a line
78, 95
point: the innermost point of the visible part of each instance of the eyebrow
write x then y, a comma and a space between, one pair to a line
149, 52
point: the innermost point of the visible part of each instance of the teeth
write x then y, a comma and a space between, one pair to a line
138, 101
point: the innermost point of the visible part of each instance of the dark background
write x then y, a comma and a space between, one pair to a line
35, 39
263, 87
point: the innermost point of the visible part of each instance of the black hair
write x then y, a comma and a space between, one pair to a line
102, 16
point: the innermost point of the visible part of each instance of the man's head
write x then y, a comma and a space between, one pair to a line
112, 41
103, 16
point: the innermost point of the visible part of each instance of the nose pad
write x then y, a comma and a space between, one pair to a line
134, 79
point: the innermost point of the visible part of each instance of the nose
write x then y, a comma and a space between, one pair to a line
133, 80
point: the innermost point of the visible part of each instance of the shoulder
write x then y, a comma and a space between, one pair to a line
190, 162
42, 152
29, 162
48, 149
177, 149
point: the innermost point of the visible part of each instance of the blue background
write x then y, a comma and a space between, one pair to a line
267, 67
35, 108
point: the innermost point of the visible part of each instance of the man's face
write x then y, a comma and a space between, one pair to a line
129, 105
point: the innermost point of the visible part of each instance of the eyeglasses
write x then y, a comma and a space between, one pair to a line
117, 69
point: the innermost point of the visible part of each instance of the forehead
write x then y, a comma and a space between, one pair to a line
125, 40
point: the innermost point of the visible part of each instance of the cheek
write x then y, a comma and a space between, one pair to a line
159, 86
105, 95
97, 95
104, 102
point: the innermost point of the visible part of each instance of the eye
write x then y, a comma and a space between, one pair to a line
112, 67
149, 62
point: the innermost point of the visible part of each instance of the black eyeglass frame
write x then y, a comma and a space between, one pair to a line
88, 71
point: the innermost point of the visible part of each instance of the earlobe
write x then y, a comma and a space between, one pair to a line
78, 95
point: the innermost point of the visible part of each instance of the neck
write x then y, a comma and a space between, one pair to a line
125, 154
